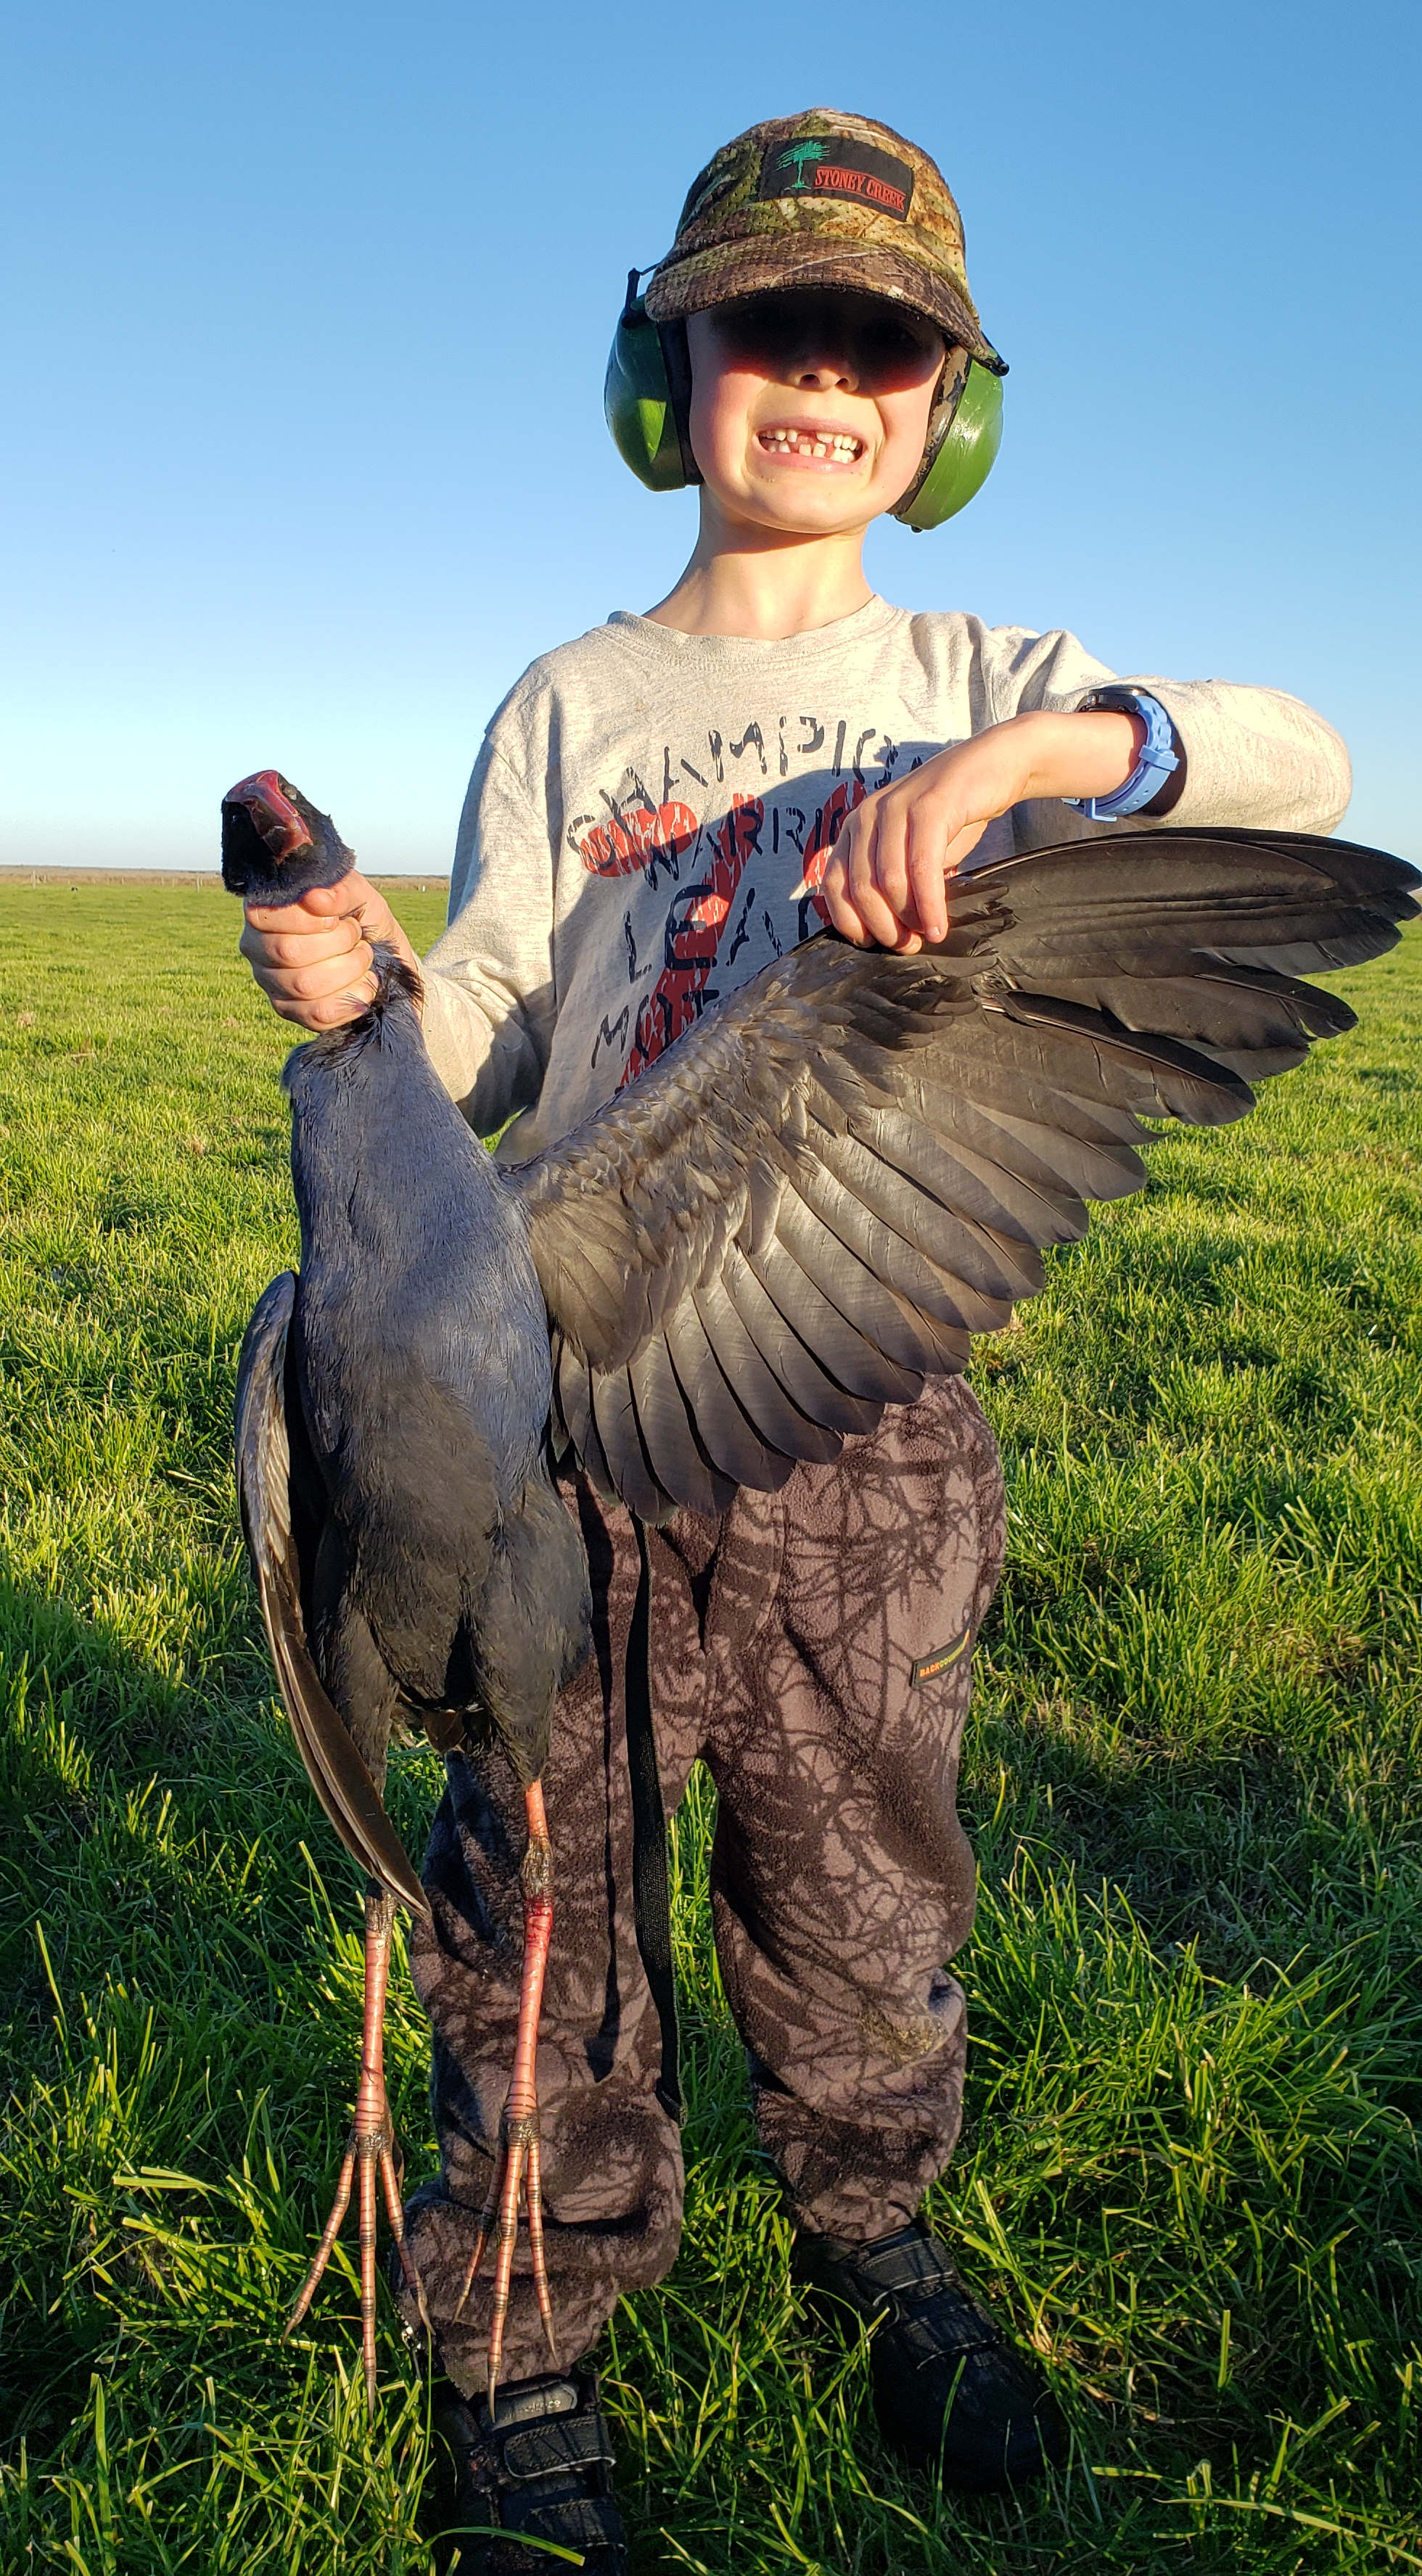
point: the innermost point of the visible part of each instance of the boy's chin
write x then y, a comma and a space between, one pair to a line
810, 509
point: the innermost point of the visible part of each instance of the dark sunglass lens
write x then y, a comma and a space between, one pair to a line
753, 330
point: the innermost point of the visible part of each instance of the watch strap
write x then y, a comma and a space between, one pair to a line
1155, 760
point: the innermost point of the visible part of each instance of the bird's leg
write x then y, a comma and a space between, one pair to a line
370, 2146
519, 2159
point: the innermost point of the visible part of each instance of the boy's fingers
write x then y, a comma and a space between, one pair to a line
927, 861
851, 927
307, 948
885, 882
312, 978
342, 1006
313, 912
315, 983
834, 900
842, 914
963, 845
319, 1015
831, 896
351, 893
313, 959
845, 913
891, 849
846, 921
866, 894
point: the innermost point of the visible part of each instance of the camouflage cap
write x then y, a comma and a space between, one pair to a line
822, 199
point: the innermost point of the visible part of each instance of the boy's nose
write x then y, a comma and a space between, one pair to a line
826, 374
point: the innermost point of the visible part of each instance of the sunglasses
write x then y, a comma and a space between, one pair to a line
782, 331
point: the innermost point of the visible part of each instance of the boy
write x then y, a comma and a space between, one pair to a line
659, 808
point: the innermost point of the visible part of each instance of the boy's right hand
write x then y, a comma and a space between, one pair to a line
313, 959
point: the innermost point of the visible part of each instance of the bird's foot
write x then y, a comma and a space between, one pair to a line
518, 2171
517, 2177
370, 2151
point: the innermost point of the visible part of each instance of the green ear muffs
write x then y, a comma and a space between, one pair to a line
646, 397
964, 435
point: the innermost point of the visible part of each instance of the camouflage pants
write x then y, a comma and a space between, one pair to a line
814, 1649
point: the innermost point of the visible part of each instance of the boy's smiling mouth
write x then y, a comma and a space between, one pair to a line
804, 442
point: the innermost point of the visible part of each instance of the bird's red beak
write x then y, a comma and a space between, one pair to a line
267, 798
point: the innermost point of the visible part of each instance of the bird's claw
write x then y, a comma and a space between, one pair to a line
370, 2147
517, 2170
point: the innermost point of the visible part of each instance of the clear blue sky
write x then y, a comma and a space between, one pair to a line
304, 455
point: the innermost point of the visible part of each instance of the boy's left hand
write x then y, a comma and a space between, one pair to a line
884, 883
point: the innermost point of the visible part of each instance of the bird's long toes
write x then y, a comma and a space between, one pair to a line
488, 2220
516, 2154
390, 2177
339, 2207
367, 2278
533, 2201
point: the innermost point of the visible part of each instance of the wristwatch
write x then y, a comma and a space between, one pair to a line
1155, 760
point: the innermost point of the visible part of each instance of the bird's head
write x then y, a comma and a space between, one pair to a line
275, 846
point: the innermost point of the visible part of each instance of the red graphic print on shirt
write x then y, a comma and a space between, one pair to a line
638, 837
695, 922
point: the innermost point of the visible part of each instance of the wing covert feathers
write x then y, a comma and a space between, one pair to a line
333, 1766
808, 1204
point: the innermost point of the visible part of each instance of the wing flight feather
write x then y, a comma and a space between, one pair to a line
809, 1203
264, 1480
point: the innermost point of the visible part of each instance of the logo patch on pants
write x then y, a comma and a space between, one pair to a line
943, 1658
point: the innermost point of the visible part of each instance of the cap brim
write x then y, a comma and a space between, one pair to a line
726, 270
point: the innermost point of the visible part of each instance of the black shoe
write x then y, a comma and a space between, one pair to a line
950, 2393
542, 2470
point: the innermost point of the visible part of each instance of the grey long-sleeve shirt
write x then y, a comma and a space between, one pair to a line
651, 814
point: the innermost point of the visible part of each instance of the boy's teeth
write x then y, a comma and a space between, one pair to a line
836, 443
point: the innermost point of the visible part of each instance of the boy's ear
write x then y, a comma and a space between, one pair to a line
964, 435
646, 397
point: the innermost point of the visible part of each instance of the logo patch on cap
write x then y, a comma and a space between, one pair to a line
827, 166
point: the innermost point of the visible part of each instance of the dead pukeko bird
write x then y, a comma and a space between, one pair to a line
800, 1212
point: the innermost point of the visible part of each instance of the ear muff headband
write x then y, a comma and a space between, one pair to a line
646, 397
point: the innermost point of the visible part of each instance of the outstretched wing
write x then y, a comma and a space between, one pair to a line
817, 1195
270, 1525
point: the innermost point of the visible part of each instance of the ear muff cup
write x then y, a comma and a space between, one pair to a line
959, 454
646, 398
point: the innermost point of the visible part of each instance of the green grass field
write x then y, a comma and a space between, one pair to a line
1190, 2175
